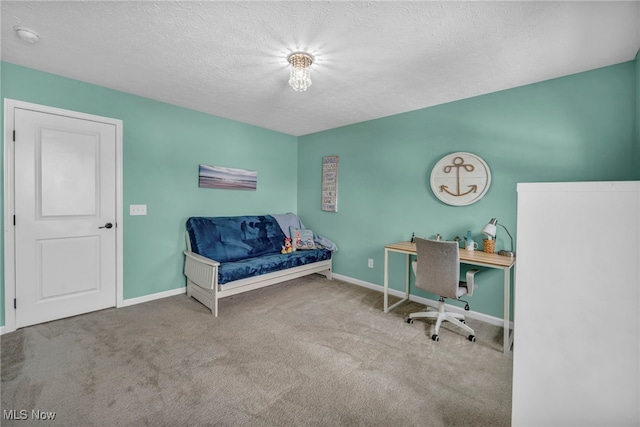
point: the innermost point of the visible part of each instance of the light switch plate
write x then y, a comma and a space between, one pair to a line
137, 209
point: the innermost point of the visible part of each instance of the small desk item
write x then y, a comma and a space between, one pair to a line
479, 258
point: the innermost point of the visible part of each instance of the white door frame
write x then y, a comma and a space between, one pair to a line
9, 202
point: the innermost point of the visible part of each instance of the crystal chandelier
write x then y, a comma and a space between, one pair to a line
300, 75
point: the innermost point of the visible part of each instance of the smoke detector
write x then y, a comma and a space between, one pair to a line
27, 34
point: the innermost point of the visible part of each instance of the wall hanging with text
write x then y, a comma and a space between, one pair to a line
330, 183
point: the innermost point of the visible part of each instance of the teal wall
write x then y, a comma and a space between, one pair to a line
580, 127
575, 128
162, 148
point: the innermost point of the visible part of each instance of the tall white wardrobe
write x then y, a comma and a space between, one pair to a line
576, 356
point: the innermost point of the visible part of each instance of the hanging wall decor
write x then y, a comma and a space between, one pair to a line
330, 183
229, 178
460, 179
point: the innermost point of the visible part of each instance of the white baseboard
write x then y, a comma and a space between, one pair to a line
151, 297
1, 330
497, 321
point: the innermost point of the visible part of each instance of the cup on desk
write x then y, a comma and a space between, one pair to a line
489, 246
470, 245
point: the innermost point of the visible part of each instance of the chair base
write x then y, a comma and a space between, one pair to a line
456, 319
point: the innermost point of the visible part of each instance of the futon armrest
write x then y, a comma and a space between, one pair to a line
199, 258
201, 271
471, 281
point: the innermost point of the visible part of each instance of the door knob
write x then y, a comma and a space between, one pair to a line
107, 225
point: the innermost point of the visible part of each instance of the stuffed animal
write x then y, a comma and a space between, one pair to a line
287, 248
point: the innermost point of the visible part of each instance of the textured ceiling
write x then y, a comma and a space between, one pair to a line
373, 59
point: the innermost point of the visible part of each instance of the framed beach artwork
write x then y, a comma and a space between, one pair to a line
228, 178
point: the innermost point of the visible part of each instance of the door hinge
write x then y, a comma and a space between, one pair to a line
15, 303
14, 220
14, 136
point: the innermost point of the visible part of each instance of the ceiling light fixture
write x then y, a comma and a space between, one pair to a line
26, 34
300, 75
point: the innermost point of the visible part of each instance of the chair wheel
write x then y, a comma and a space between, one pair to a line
409, 320
435, 337
472, 338
463, 321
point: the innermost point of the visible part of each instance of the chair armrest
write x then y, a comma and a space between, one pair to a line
471, 274
199, 258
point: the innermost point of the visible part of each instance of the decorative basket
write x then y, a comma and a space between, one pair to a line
489, 246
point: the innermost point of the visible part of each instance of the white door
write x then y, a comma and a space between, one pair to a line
65, 216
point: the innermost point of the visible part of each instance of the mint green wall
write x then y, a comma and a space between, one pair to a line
581, 127
162, 148
575, 128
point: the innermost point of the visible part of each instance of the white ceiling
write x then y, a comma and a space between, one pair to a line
373, 59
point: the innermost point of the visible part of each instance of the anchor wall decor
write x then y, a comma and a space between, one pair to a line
460, 179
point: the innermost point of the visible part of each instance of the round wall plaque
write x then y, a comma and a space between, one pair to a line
460, 179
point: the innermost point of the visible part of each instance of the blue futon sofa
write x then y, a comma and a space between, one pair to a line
229, 255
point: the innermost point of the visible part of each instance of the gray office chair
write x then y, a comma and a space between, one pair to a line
437, 270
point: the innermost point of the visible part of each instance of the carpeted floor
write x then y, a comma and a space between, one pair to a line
309, 352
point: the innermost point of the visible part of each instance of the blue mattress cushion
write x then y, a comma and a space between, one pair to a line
230, 271
234, 238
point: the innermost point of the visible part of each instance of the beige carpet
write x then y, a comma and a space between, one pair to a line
309, 352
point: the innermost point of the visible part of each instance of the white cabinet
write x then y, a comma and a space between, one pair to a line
576, 357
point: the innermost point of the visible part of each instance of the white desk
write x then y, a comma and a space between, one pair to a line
478, 258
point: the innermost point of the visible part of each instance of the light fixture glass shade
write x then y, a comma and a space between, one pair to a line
300, 75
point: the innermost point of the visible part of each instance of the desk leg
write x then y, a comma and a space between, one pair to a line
386, 280
386, 283
507, 299
407, 275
